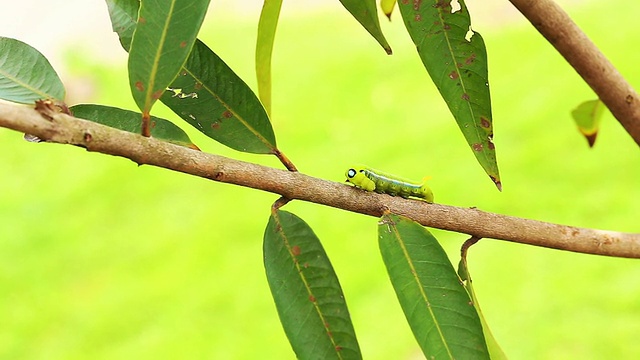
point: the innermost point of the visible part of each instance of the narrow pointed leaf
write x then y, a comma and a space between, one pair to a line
225, 108
367, 15
264, 48
495, 351
456, 59
164, 35
130, 121
26, 75
587, 117
387, 7
436, 305
306, 291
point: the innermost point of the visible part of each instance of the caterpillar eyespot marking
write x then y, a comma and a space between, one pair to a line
374, 180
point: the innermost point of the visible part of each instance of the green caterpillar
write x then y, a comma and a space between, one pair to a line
373, 180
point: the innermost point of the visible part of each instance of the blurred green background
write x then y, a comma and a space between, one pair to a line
102, 259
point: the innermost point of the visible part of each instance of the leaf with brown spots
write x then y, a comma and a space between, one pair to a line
438, 309
162, 40
207, 94
456, 59
306, 291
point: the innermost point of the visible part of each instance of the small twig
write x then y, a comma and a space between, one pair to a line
582, 54
282, 201
66, 129
466, 245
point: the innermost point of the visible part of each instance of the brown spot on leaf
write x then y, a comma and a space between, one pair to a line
470, 59
183, 44
142, 20
183, 73
227, 114
405, 2
197, 86
484, 122
156, 95
153, 124
139, 86
87, 137
465, 97
453, 75
491, 146
312, 298
295, 250
417, 4
215, 125
338, 348
418, 17
447, 27
477, 146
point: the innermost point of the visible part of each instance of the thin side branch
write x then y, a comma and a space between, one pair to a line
65, 129
582, 54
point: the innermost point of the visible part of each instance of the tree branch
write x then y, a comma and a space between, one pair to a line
582, 54
61, 128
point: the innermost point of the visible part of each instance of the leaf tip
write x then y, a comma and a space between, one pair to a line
497, 182
591, 138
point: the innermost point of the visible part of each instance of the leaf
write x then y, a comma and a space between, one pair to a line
495, 351
123, 14
587, 117
457, 65
26, 75
306, 291
264, 47
387, 7
436, 305
218, 89
367, 15
212, 98
130, 121
164, 35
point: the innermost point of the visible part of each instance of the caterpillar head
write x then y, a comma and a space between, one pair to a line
357, 177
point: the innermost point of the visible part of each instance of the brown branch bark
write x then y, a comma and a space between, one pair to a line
582, 54
65, 129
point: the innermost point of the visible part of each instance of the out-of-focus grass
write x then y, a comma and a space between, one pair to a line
102, 259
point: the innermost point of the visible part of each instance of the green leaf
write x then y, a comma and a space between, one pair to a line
495, 351
220, 92
387, 7
306, 291
264, 47
123, 14
436, 305
164, 35
457, 65
367, 15
587, 117
130, 121
26, 75
212, 98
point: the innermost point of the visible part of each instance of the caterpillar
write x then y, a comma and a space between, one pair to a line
373, 180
